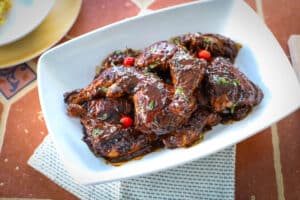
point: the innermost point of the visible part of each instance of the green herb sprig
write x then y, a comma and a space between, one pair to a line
151, 105
97, 131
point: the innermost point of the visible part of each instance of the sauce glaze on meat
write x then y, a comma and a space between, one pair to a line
172, 95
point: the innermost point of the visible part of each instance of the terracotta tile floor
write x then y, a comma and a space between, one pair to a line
267, 165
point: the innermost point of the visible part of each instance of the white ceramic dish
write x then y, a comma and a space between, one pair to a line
23, 17
72, 65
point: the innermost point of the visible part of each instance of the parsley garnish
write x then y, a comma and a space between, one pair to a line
151, 105
97, 131
207, 41
179, 90
225, 81
233, 108
153, 49
152, 66
176, 41
155, 64
104, 89
222, 81
104, 117
235, 82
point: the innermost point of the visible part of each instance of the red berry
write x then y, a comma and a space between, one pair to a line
204, 54
129, 61
126, 121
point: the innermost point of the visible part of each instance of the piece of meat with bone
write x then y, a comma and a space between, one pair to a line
230, 92
112, 82
191, 132
115, 143
187, 73
150, 95
216, 44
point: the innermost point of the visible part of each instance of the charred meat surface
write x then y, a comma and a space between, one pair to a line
163, 96
230, 91
116, 144
216, 44
156, 55
187, 73
192, 130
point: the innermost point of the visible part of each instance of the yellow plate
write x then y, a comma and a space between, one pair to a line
53, 28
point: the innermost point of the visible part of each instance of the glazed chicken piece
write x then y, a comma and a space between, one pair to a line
104, 133
230, 91
156, 55
216, 44
112, 82
187, 73
102, 109
115, 143
150, 95
202, 119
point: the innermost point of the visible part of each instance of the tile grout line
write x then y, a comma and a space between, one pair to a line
277, 162
69, 37
274, 132
259, 9
3, 117
23, 91
143, 6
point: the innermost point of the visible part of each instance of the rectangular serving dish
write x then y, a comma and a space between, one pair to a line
72, 65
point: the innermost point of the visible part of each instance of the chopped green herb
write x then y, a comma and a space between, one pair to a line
97, 131
184, 49
235, 82
225, 81
222, 81
104, 89
157, 62
153, 49
151, 105
152, 66
187, 98
104, 117
233, 108
176, 41
146, 70
207, 41
179, 90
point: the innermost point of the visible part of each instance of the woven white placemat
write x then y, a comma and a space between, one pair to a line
208, 178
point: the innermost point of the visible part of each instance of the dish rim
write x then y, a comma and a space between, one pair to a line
38, 22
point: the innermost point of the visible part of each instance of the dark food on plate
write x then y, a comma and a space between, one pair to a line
166, 95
